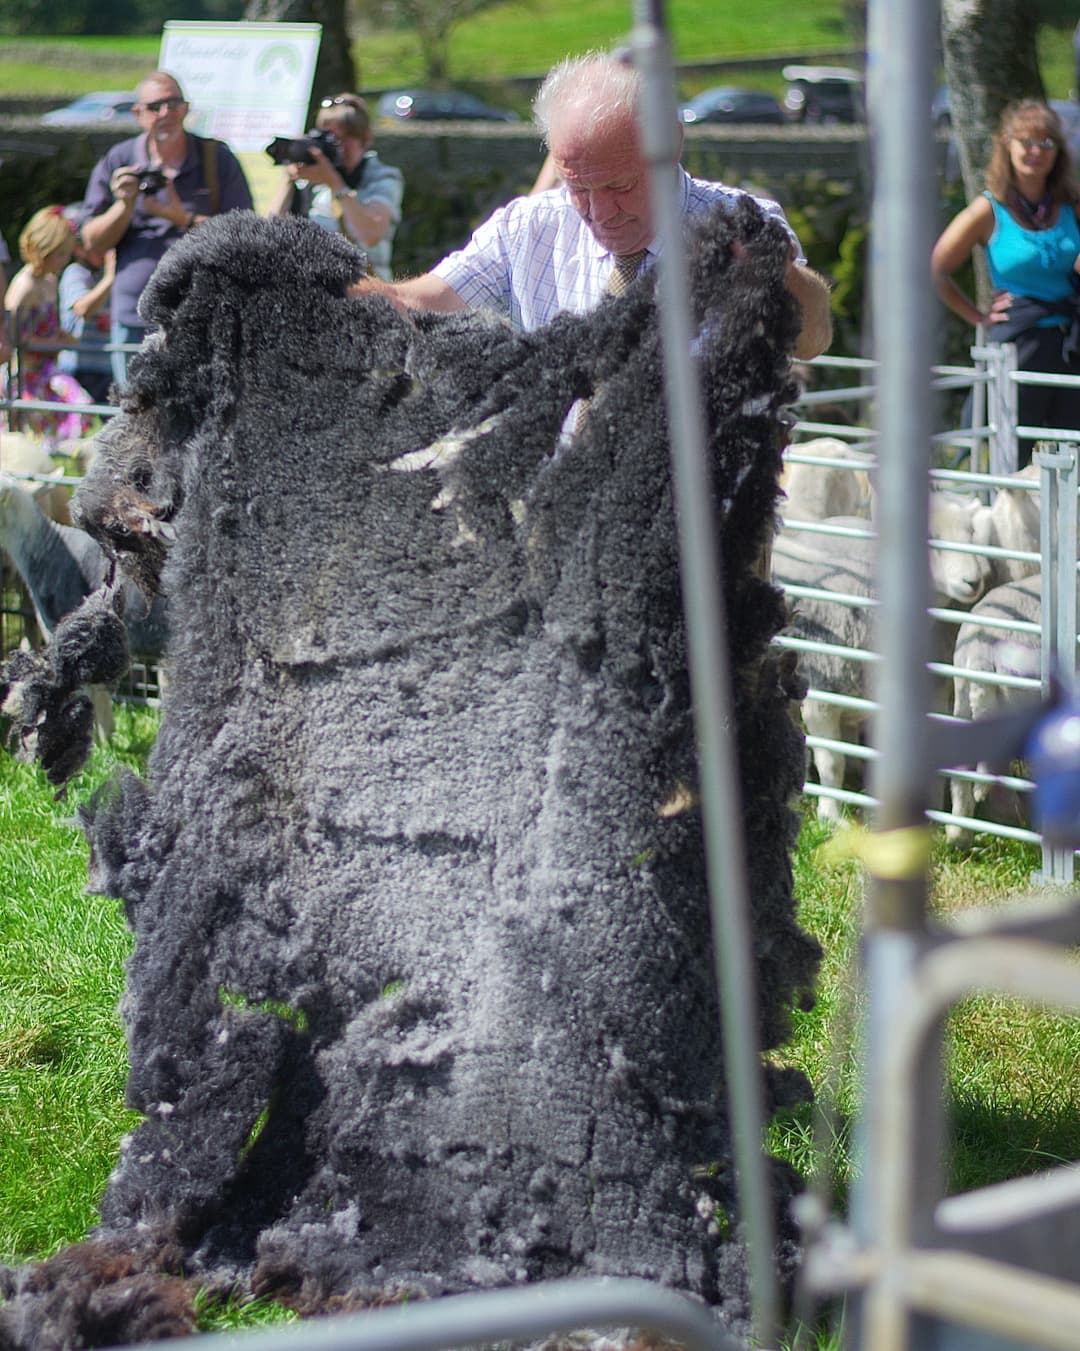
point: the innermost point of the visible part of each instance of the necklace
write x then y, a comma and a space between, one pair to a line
1036, 214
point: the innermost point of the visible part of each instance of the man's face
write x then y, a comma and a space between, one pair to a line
351, 148
607, 180
161, 109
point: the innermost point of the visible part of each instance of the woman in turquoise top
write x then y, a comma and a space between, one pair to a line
1027, 222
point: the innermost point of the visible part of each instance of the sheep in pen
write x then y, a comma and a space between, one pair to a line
422, 997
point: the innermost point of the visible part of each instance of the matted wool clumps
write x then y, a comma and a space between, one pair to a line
422, 994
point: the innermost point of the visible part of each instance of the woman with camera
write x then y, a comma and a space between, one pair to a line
145, 192
343, 185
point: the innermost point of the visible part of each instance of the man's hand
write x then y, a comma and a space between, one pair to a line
812, 293
171, 209
124, 184
374, 286
426, 292
321, 171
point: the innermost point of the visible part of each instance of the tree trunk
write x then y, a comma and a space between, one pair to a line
990, 59
334, 70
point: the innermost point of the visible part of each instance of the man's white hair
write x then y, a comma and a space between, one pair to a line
597, 86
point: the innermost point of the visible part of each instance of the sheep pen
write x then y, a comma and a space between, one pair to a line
422, 996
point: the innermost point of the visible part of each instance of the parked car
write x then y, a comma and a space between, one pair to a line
940, 110
107, 106
448, 105
729, 103
820, 94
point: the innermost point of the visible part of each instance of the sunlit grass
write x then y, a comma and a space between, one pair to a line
513, 40
1011, 1088
62, 1055
1014, 1099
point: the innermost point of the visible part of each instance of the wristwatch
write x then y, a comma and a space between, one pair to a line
343, 192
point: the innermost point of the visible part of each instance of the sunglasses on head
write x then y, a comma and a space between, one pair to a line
156, 105
342, 100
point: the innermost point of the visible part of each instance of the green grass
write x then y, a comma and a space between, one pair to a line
525, 38
520, 38
62, 1058
1015, 1098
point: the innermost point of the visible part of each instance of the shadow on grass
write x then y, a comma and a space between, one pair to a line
991, 1144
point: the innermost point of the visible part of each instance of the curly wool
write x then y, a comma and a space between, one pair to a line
422, 996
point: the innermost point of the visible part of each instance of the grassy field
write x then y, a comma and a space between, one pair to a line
520, 38
1015, 1097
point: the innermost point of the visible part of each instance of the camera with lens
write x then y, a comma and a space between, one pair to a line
297, 150
151, 180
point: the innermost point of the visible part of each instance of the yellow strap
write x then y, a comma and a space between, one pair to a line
895, 855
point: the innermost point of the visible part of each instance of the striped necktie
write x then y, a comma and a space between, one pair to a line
627, 266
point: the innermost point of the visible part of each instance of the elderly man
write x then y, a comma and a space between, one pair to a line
557, 250
357, 195
197, 178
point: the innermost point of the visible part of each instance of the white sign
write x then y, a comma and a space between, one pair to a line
246, 82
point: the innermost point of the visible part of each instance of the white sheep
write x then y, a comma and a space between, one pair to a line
1013, 523
21, 456
995, 651
846, 565
817, 491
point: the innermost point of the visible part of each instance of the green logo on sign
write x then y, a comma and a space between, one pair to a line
281, 61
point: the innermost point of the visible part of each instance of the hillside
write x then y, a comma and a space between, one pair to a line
518, 38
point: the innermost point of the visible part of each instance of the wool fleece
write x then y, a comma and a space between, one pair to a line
422, 996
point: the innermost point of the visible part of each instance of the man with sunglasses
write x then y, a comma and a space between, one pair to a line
353, 193
195, 178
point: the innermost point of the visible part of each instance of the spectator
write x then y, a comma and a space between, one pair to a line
357, 194
85, 286
557, 250
5, 263
1027, 222
31, 305
198, 178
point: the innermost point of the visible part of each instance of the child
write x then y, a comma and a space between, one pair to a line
85, 292
32, 308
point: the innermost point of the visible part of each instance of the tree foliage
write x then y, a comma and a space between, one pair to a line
107, 17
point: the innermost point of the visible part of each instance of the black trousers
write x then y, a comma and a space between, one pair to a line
1039, 349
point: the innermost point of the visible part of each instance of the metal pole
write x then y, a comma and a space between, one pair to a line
709, 671
1057, 618
901, 36
493, 1316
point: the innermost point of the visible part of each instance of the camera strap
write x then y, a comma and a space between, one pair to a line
210, 171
